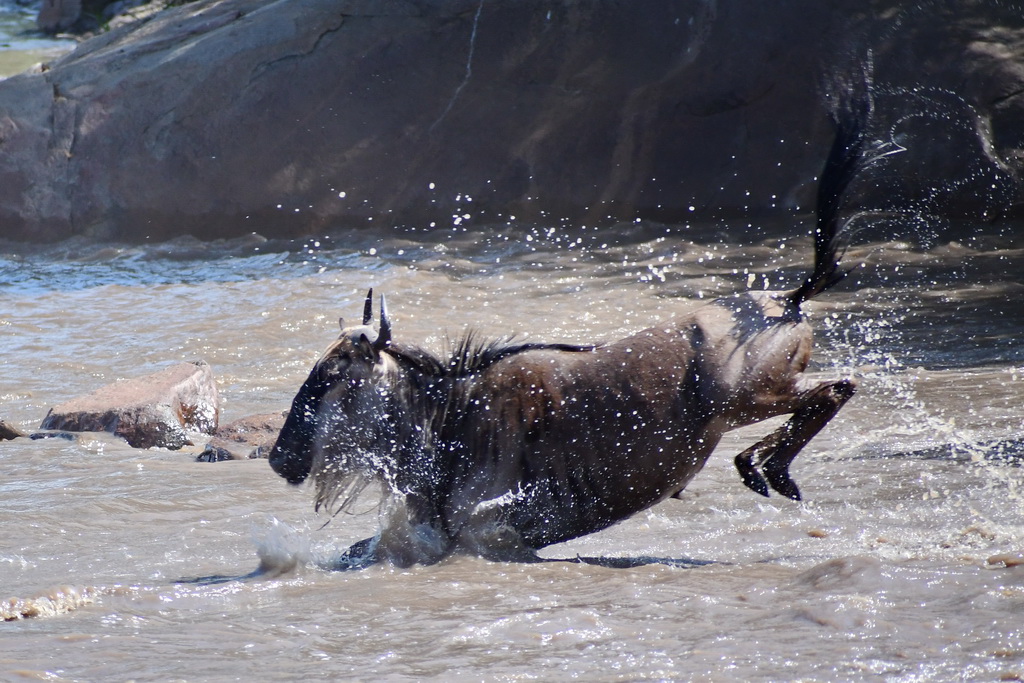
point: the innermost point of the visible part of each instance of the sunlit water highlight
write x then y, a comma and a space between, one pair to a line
904, 562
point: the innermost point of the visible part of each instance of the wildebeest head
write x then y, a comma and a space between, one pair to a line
337, 418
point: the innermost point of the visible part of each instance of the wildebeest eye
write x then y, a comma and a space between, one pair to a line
332, 368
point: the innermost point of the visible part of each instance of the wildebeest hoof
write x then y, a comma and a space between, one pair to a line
751, 477
779, 479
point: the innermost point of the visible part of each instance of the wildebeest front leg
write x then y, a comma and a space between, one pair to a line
358, 556
775, 452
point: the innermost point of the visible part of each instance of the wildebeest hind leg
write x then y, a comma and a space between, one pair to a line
774, 453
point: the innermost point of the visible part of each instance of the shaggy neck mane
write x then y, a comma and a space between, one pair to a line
439, 391
469, 355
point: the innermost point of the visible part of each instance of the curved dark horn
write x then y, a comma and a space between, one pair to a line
384, 336
368, 308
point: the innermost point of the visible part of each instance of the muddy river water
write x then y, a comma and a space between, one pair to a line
904, 562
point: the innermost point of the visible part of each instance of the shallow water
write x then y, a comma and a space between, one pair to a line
905, 562
21, 45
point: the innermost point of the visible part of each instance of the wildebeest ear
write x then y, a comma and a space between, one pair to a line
341, 323
366, 347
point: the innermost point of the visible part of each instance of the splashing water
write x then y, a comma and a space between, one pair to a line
59, 600
281, 549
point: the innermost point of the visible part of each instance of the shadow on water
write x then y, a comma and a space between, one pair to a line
1008, 452
634, 562
348, 564
217, 579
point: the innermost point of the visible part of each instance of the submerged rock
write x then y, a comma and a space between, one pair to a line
156, 410
243, 439
415, 113
66, 436
8, 432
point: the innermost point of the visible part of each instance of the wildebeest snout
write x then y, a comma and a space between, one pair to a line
288, 463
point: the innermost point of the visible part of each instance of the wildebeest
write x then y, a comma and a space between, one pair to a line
503, 448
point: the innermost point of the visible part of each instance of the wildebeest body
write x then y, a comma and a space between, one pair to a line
587, 438
582, 438
504, 448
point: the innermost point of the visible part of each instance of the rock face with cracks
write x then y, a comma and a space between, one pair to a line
291, 117
156, 410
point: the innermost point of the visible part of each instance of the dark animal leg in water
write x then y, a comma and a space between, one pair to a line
775, 452
358, 556
215, 579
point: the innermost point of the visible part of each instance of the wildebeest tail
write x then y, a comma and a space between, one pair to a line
846, 158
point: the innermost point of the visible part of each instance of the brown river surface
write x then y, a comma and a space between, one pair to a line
905, 561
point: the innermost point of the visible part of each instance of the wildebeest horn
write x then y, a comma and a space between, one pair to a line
384, 336
368, 308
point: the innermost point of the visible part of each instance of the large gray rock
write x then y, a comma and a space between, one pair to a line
156, 410
288, 117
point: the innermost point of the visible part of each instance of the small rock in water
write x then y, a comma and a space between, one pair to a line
841, 572
155, 410
244, 439
1004, 560
8, 432
216, 453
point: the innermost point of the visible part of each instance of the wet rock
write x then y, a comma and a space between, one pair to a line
841, 573
8, 431
58, 15
413, 112
246, 438
156, 410
85, 18
67, 436
1003, 560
